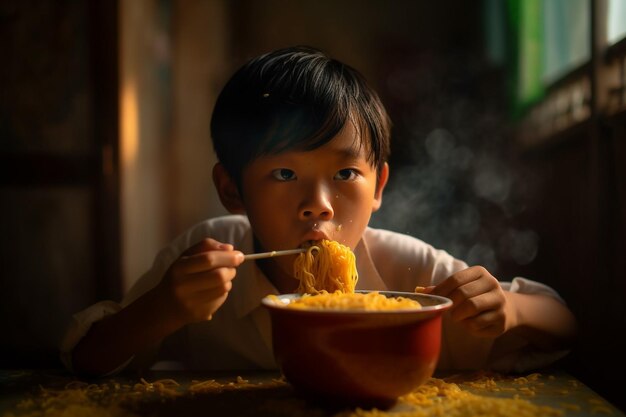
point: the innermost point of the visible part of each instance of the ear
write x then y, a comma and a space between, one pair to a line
380, 186
227, 190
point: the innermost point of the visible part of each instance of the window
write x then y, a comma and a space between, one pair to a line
566, 29
616, 24
555, 77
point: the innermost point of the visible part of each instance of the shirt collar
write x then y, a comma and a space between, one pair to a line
369, 278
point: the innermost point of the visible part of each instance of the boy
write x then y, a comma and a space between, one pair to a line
302, 143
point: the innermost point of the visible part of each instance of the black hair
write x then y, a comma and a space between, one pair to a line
294, 98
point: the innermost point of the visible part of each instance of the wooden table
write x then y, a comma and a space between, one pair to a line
25, 392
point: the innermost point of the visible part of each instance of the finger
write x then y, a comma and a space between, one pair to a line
210, 295
447, 286
472, 289
490, 323
207, 280
206, 245
208, 260
213, 294
203, 305
472, 307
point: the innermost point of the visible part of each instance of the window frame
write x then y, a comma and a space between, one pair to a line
601, 81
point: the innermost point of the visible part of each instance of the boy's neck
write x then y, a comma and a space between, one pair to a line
284, 283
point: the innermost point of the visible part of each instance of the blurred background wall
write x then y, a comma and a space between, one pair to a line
508, 144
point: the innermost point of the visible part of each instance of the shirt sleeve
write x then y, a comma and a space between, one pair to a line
527, 286
79, 326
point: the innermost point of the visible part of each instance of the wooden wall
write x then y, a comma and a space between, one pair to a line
580, 216
59, 220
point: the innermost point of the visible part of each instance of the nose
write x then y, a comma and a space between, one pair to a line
316, 204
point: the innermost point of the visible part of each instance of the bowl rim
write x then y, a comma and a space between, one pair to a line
444, 304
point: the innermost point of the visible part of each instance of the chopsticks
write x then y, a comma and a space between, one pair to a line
252, 256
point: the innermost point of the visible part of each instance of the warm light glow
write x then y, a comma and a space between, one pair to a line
129, 117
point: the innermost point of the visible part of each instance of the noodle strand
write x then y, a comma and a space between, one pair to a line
326, 266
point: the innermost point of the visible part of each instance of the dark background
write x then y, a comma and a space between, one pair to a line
461, 177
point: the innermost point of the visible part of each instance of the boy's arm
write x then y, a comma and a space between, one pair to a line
194, 287
113, 340
542, 320
487, 310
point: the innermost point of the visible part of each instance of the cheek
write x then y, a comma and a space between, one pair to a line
266, 211
257, 200
353, 214
263, 215
358, 200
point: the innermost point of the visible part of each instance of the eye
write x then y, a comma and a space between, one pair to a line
284, 174
346, 174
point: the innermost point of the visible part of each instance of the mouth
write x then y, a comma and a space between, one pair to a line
312, 237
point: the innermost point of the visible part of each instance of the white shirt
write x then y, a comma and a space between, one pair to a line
239, 335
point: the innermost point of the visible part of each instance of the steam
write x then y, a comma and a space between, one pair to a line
454, 181
460, 200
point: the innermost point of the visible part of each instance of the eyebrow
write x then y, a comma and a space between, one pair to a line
351, 152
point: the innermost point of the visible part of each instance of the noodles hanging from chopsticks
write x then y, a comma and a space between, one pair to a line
326, 266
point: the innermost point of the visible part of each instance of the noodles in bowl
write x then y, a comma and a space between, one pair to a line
371, 301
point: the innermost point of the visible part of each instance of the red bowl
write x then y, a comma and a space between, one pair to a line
364, 358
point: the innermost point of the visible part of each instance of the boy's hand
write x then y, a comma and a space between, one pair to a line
198, 282
480, 303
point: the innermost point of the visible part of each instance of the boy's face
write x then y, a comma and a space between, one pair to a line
299, 196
